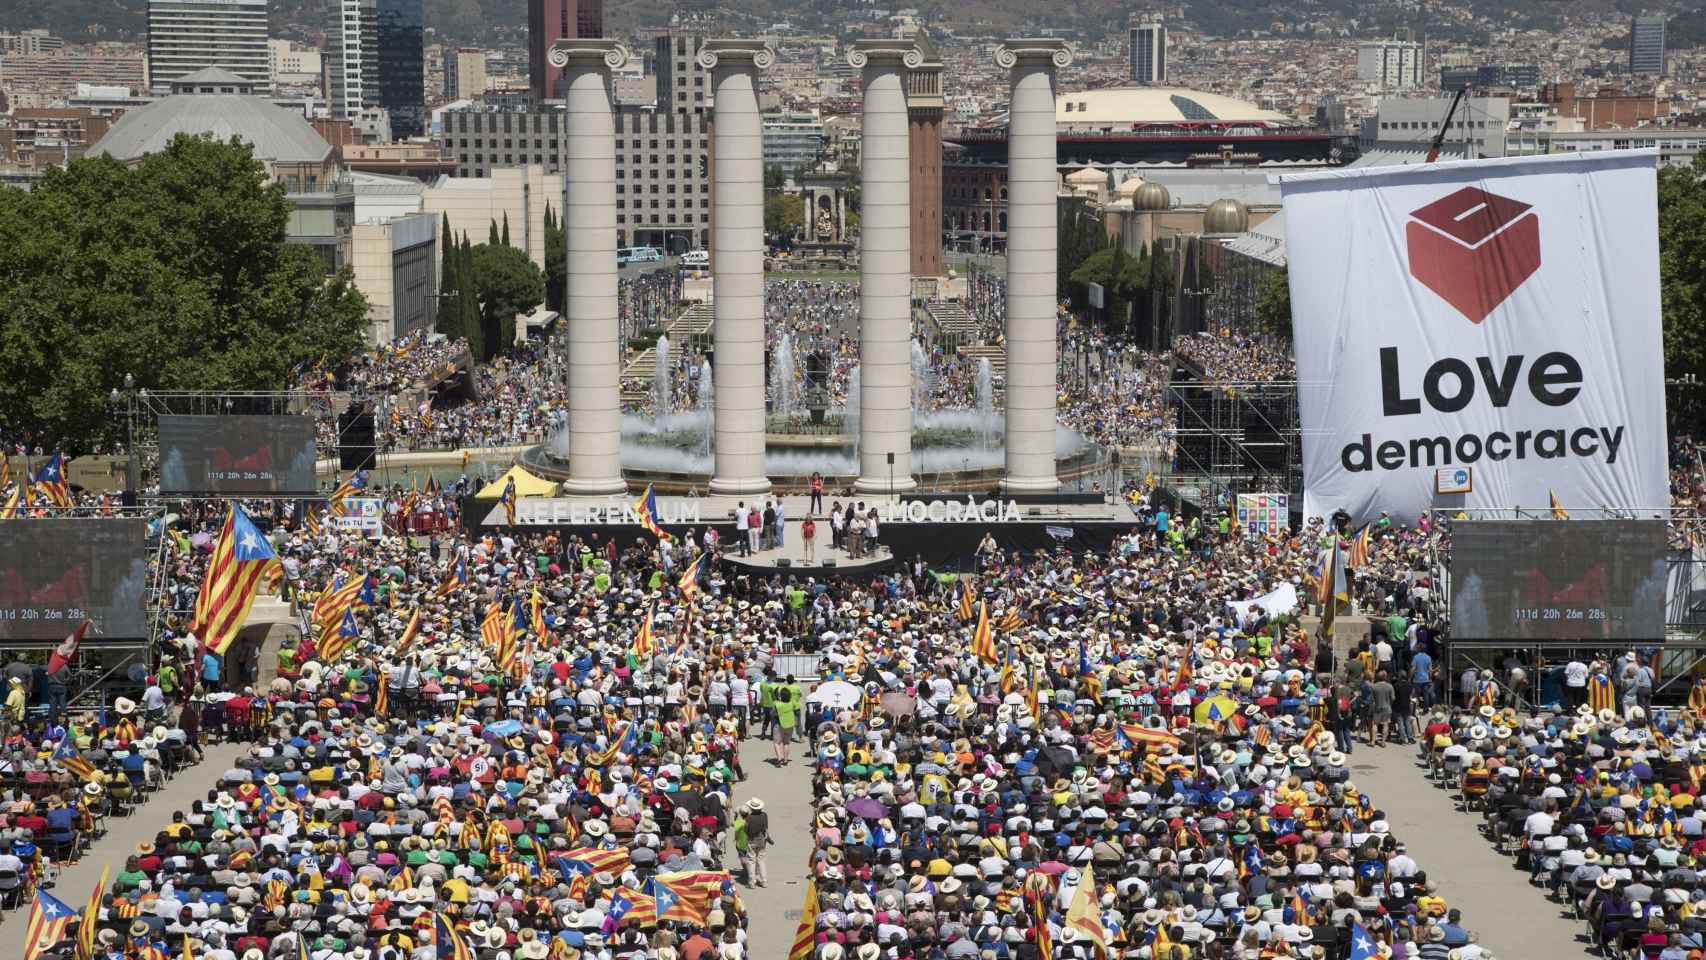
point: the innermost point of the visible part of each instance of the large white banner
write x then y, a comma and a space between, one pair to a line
1498, 316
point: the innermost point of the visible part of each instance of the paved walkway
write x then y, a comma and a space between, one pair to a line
774, 911
1512, 918
124, 833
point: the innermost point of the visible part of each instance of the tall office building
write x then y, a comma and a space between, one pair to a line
402, 65
682, 87
464, 73
189, 35
549, 21
1148, 47
352, 57
1394, 64
1647, 45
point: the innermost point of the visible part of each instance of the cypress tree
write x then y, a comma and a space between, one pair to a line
492, 237
506, 228
447, 318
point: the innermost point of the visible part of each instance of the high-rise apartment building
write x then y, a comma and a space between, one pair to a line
352, 57
1394, 64
663, 182
549, 21
464, 73
1148, 50
189, 35
1647, 45
402, 65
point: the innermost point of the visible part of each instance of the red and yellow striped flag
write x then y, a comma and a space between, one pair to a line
92, 917
805, 935
240, 558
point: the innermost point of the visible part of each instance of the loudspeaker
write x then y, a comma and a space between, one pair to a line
784, 563
355, 439
829, 564
127, 498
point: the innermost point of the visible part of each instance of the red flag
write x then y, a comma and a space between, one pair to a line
67, 649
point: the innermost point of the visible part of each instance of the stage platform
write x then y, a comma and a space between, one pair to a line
824, 560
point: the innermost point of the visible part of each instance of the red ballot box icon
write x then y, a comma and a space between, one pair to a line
1473, 248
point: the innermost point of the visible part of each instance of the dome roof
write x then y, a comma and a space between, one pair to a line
1151, 196
1226, 216
278, 134
1117, 105
1129, 186
1089, 176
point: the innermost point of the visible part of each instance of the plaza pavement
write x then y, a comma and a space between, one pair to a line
773, 912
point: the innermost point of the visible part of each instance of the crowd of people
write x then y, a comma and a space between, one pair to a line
530, 743
1596, 795
1231, 357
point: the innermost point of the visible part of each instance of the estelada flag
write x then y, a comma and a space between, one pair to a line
647, 509
240, 557
49, 916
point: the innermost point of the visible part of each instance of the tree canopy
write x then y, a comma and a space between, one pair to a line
175, 271
1682, 282
784, 214
508, 283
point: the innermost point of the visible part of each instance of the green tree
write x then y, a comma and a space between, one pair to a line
775, 178
175, 271
1682, 282
492, 238
508, 284
506, 229
556, 263
1122, 278
449, 318
783, 214
468, 304
1273, 303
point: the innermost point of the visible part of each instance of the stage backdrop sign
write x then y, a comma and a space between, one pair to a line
1501, 315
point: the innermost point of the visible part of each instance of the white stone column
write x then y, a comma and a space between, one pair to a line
589, 219
737, 276
1032, 236
885, 268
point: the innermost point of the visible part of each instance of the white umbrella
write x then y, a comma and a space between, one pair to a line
836, 694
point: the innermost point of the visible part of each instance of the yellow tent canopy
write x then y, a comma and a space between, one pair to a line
526, 485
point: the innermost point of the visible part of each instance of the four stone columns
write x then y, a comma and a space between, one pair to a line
1032, 237
885, 269
738, 275
589, 219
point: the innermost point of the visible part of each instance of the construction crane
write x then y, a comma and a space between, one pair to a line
1451, 111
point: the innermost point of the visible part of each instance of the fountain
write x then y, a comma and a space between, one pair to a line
961, 448
705, 405
662, 406
984, 400
782, 379
923, 387
850, 413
